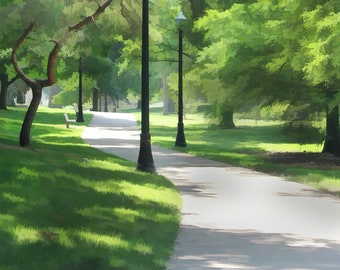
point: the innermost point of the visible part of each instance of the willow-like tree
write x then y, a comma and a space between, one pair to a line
38, 84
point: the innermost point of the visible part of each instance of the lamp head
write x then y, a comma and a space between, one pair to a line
180, 17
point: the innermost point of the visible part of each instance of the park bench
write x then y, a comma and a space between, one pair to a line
68, 120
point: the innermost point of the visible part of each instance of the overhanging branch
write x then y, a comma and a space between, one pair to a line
56, 49
89, 19
17, 68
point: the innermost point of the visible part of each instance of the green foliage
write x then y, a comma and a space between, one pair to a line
236, 53
66, 205
267, 52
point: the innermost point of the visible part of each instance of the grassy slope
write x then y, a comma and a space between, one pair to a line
64, 205
246, 145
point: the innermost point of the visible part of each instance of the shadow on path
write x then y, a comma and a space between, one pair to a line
246, 249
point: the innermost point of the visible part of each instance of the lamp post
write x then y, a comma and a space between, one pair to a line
180, 138
145, 160
105, 100
80, 116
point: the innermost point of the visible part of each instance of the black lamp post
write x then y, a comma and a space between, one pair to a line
180, 138
80, 116
105, 100
145, 160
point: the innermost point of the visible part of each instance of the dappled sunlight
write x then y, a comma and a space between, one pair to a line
25, 173
102, 186
150, 193
103, 164
102, 239
66, 205
142, 248
330, 184
13, 198
25, 235
294, 147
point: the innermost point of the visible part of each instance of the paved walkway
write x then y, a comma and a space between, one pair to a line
234, 218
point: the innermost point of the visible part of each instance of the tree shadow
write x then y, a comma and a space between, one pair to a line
54, 219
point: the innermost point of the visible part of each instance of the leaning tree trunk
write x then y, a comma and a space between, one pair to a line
25, 137
332, 140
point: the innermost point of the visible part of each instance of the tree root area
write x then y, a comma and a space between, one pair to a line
304, 159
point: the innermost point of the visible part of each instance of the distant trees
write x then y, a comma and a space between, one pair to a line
263, 52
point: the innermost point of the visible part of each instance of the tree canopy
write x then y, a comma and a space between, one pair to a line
237, 54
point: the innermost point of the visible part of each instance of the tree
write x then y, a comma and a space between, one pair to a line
7, 73
38, 84
250, 58
320, 53
233, 60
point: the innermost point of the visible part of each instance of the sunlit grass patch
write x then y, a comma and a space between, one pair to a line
331, 184
25, 173
143, 248
326, 181
24, 235
291, 147
13, 198
150, 192
102, 239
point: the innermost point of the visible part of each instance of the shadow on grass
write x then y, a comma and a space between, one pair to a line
84, 216
64, 205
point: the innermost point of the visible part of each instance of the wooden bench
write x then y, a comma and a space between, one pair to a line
68, 120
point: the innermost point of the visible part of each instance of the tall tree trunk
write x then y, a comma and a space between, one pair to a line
25, 137
139, 104
3, 95
168, 104
95, 96
332, 140
20, 97
5, 83
165, 93
114, 103
100, 101
227, 119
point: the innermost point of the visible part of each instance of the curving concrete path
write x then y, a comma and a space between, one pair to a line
233, 218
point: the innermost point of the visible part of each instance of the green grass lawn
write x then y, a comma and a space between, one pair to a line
246, 146
65, 205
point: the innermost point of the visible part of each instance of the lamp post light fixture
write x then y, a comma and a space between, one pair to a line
180, 138
145, 160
